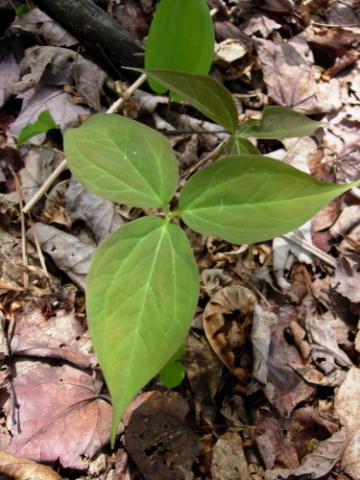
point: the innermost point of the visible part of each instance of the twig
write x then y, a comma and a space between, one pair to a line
63, 165
39, 251
335, 25
23, 231
307, 246
203, 160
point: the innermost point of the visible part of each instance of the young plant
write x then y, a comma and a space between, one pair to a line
143, 283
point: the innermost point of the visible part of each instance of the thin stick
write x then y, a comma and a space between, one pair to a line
23, 231
39, 251
63, 165
203, 160
307, 246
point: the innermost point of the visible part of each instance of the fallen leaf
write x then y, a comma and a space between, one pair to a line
37, 22
307, 427
287, 70
56, 66
159, 440
316, 464
274, 447
264, 322
227, 325
347, 219
325, 351
62, 336
347, 276
229, 461
64, 113
68, 252
285, 388
21, 469
98, 213
9, 73
204, 372
260, 24
347, 407
60, 415
230, 50
39, 164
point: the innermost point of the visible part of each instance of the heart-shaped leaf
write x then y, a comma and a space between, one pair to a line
278, 123
122, 160
142, 292
202, 92
171, 46
251, 198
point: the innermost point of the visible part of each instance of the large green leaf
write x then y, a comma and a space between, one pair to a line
202, 92
181, 37
278, 123
142, 292
122, 160
251, 198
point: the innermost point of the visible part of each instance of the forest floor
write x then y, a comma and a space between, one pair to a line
277, 395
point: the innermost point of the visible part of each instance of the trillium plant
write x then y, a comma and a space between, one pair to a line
143, 283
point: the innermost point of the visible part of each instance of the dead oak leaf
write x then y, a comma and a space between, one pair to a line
60, 416
21, 469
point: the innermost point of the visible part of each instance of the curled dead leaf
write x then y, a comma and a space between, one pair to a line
227, 325
21, 469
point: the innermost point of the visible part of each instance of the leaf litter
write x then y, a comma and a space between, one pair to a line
272, 359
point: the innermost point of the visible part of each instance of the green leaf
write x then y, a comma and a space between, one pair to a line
142, 292
21, 10
173, 373
202, 92
239, 146
251, 198
43, 124
278, 123
122, 160
181, 37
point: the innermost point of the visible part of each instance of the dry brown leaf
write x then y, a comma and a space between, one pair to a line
347, 276
285, 388
159, 439
260, 24
347, 407
68, 252
325, 351
227, 325
60, 415
262, 327
307, 427
229, 461
98, 213
287, 70
59, 66
21, 469
274, 447
204, 371
37, 22
316, 464
62, 336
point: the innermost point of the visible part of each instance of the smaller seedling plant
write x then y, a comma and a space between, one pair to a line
143, 283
